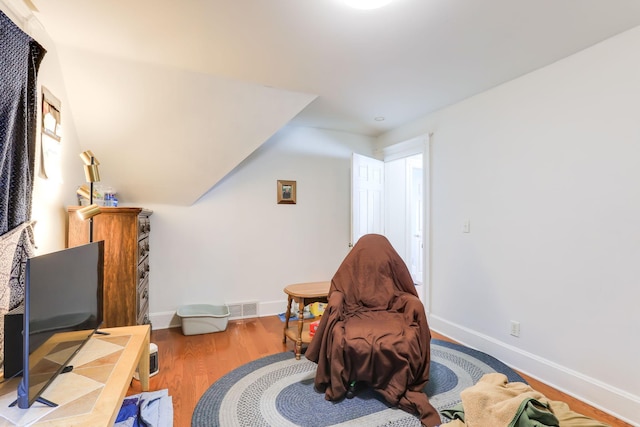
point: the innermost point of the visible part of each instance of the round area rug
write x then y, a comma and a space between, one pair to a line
278, 391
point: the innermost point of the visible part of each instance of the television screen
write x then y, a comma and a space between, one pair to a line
62, 310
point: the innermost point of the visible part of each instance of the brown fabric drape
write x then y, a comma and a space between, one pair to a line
374, 330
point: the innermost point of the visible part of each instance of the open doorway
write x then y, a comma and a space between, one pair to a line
389, 197
404, 213
407, 207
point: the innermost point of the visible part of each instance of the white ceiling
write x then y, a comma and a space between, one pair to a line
341, 68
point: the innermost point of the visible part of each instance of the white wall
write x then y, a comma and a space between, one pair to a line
237, 244
546, 169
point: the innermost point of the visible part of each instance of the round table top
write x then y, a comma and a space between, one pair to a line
308, 290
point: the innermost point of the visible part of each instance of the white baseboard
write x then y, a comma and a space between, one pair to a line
619, 403
273, 308
169, 319
164, 320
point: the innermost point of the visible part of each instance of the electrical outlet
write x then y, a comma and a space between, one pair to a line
515, 328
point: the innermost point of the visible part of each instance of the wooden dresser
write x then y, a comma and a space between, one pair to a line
125, 232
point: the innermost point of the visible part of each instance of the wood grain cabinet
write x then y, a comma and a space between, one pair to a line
125, 232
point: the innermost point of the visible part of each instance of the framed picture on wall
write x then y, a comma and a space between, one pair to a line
51, 138
286, 192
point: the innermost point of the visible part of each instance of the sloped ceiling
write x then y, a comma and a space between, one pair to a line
197, 85
166, 135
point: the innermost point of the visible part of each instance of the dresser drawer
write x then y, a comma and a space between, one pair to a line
143, 270
143, 316
144, 225
143, 298
143, 247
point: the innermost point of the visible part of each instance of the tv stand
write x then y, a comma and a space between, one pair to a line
40, 400
106, 364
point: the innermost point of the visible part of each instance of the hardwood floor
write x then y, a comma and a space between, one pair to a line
190, 364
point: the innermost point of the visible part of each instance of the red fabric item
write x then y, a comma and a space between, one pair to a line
374, 330
313, 326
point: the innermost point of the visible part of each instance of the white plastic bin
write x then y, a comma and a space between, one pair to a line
203, 318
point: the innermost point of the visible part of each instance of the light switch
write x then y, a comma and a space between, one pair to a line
466, 227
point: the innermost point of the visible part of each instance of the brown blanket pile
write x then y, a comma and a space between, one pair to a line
374, 331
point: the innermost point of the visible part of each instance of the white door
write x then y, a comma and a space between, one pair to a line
367, 196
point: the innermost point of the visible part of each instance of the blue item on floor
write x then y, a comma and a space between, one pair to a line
294, 316
149, 409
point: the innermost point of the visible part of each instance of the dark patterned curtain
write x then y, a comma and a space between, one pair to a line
20, 58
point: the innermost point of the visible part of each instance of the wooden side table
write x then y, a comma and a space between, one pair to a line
303, 294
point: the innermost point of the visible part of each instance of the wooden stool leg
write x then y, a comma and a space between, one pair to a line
286, 320
300, 327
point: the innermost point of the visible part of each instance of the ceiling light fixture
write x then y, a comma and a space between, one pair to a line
367, 4
379, 119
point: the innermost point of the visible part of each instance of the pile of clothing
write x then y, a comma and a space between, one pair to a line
495, 402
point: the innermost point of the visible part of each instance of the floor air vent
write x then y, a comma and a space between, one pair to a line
242, 310
235, 311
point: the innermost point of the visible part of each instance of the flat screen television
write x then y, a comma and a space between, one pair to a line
62, 310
